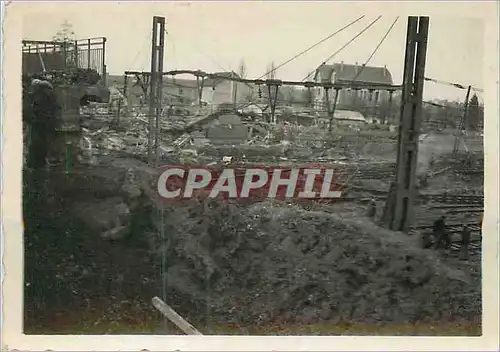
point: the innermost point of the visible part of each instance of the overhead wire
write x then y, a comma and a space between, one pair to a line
456, 85
141, 49
348, 43
212, 60
174, 51
376, 48
312, 47
375, 51
216, 63
343, 47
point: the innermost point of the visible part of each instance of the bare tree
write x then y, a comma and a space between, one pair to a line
66, 36
242, 71
65, 33
271, 71
249, 94
474, 118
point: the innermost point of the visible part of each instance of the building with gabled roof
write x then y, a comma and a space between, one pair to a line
340, 72
346, 73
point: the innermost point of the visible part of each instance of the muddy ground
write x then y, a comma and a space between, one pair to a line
282, 266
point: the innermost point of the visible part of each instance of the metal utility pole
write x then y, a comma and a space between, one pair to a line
399, 207
155, 92
331, 110
462, 121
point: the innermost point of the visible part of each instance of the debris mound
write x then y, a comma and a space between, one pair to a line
268, 263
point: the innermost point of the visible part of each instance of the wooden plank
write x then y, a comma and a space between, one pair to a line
175, 318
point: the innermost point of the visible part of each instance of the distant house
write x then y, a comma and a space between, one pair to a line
175, 90
346, 73
180, 91
222, 90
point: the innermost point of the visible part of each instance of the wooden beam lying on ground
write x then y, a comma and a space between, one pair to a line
175, 318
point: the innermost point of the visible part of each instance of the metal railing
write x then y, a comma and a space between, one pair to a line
39, 56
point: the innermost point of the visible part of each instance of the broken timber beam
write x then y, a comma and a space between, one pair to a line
274, 82
175, 318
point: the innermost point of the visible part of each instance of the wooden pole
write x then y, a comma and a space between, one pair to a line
174, 317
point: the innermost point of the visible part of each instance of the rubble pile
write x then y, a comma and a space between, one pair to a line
101, 136
461, 161
235, 261
183, 129
463, 172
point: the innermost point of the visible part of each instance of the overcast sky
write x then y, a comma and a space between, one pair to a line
212, 36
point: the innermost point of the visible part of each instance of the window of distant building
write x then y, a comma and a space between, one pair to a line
377, 93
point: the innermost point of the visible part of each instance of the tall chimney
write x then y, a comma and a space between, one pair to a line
385, 70
341, 66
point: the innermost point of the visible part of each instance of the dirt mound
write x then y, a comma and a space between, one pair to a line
269, 263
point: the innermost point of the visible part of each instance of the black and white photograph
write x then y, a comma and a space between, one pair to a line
251, 168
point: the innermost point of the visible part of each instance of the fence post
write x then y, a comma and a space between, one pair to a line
103, 59
88, 54
76, 53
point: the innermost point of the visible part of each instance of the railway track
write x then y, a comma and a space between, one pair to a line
441, 198
452, 228
444, 198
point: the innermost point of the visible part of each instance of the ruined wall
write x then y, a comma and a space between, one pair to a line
228, 130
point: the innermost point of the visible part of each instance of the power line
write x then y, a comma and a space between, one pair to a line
456, 85
141, 49
199, 51
376, 48
312, 46
211, 59
343, 47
